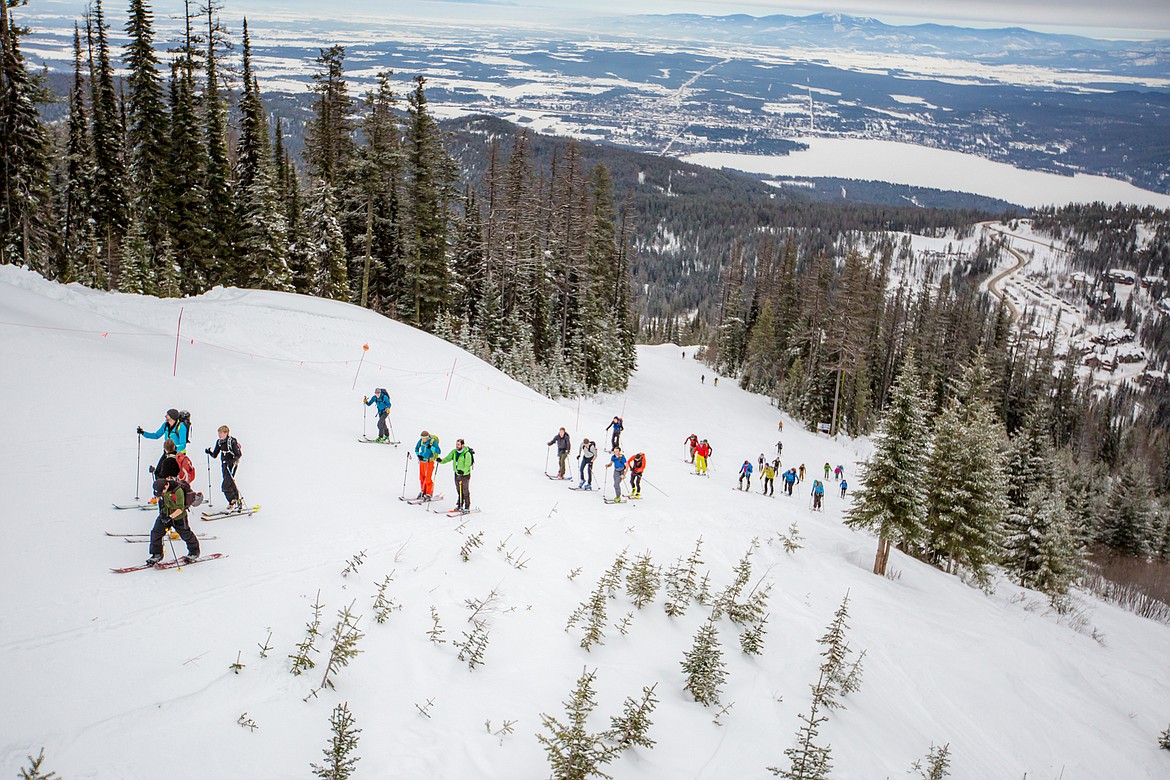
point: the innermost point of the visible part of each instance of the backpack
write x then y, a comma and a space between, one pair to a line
638, 463
191, 497
470, 450
186, 467
237, 448
185, 418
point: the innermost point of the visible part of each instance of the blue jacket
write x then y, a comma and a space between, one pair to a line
818, 489
383, 402
746, 468
788, 477
616, 425
427, 450
618, 462
178, 435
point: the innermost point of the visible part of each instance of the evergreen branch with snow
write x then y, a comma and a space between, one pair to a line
339, 759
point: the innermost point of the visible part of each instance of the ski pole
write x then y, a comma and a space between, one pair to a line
393, 436
138, 469
209, 504
547, 452
171, 542
651, 484
405, 471
365, 420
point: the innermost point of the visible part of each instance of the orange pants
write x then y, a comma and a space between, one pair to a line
426, 476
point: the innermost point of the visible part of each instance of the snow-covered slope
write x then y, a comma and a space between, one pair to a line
128, 675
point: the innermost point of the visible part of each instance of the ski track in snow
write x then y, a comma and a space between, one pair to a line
96, 662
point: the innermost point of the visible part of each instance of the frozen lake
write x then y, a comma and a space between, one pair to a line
901, 163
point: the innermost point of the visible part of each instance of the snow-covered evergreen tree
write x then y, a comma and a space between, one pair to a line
704, 666
326, 249
1128, 524
135, 269
339, 759
892, 498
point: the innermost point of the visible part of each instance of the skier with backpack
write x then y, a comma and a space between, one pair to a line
769, 472
789, 481
637, 466
229, 451
818, 495
692, 442
563, 448
176, 427
617, 426
587, 455
462, 458
427, 451
745, 472
844, 487
702, 453
174, 500
381, 399
618, 463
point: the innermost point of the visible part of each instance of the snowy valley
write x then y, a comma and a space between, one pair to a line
129, 675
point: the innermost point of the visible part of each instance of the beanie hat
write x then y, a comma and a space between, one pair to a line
424, 434
173, 414
159, 486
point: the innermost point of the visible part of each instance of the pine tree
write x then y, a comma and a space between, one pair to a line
76, 261
326, 246
328, 135
25, 197
137, 264
966, 496
808, 760
147, 131
339, 759
839, 674
261, 241
892, 499
1059, 558
189, 212
704, 666
217, 184
429, 178
573, 752
109, 183
1128, 526
34, 771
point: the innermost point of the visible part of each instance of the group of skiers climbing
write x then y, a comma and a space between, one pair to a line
587, 455
174, 476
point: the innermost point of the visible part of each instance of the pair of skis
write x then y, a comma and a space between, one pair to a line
143, 538
368, 440
171, 564
421, 501
243, 512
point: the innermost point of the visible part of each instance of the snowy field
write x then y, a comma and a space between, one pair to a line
921, 166
127, 676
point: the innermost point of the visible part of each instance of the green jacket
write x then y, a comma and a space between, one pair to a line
172, 500
462, 460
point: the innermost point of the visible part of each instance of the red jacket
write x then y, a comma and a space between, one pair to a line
704, 449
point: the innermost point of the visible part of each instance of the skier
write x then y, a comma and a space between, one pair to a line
637, 466
760, 463
789, 481
800, 477
617, 425
563, 447
745, 472
427, 451
779, 447
692, 442
703, 379
844, 487
769, 472
173, 429
229, 452
172, 513
839, 473
462, 458
780, 426
587, 454
717, 381
818, 494
701, 454
828, 471
618, 462
382, 399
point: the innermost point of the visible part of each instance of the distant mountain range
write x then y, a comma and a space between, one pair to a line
1009, 45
